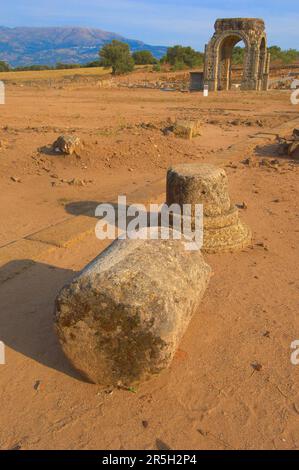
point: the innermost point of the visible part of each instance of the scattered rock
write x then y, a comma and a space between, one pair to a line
186, 129
167, 131
17, 446
246, 122
67, 144
296, 407
162, 445
289, 145
148, 125
262, 245
231, 165
37, 385
256, 366
242, 205
272, 164
235, 122
15, 179
248, 161
76, 182
293, 147
3, 144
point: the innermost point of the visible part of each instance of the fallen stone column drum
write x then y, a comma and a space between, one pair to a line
120, 321
208, 185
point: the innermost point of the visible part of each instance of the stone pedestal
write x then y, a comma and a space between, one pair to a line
208, 185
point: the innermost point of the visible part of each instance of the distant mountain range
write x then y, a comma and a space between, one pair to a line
26, 46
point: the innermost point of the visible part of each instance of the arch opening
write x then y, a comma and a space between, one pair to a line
225, 61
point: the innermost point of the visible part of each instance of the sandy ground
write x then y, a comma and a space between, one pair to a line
232, 384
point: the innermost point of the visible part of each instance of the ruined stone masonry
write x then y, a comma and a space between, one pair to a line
193, 183
218, 54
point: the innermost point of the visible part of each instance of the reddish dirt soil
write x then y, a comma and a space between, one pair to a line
231, 384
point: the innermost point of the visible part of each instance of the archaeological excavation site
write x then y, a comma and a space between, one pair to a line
149, 248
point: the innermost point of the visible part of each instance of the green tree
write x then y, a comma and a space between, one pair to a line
183, 57
4, 67
276, 52
290, 56
286, 57
117, 55
238, 55
144, 58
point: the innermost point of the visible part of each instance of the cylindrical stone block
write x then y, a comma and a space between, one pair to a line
199, 184
121, 319
208, 185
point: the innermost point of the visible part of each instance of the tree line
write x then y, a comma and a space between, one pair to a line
117, 55
278, 55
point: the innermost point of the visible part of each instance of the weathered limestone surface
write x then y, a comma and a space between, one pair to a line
218, 54
67, 144
186, 129
208, 185
199, 184
120, 321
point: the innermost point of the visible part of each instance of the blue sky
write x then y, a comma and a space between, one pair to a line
163, 22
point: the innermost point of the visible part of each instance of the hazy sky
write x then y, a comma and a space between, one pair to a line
163, 22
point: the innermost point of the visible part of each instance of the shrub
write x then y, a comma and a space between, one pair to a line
157, 68
238, 55
143, 58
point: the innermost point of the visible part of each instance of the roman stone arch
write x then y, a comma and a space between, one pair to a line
218, 54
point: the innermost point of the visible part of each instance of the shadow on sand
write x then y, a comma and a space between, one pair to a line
89, 208
273, 151
27, 291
